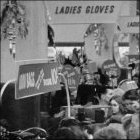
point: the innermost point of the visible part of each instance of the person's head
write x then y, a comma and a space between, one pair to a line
116, 104
131, 101
96, 127
106, 95
109, 133
72, 132
136, 78
67, 122
63, 133
79, 132
96, 77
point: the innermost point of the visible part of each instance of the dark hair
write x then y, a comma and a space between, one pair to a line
72, 132
63, 133
95, 127
66, 122
118, 99
4, 123
131, 95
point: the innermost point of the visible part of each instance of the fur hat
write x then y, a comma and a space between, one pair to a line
118, 91
117, 98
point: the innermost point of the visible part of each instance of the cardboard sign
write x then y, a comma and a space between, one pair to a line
35, 79
68, 12
72, 77
129, 24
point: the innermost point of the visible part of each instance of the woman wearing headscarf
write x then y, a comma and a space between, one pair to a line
117, 110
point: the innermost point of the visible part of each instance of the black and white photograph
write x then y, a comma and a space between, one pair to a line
69, 69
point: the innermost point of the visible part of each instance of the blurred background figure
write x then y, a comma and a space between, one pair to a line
109, 133
72, 132
117, 110
131, 119
131, 125
136, 78
131, 101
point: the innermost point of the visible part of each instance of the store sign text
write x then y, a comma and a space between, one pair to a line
71, 76
27, 80
34, 79
84, 11
88, 10
133, 24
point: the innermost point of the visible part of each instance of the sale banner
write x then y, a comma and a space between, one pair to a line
36, 79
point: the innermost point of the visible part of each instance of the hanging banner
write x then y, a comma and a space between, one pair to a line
129, 24
72, 77
35, 79
98, 45
83, 11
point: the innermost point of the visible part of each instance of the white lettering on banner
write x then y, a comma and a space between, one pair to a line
111, 72
47, 82
40, 79
26, 80
30, 79
69, 76
71, 81
109, 66
36, 78
53, 79
54, 76
22, 82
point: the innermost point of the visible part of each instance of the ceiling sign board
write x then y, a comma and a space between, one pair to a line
129, 24
67, 12
35, 79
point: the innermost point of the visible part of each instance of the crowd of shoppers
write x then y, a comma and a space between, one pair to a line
119, 121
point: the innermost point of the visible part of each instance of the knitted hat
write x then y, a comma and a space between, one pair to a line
118, 92
117, 98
